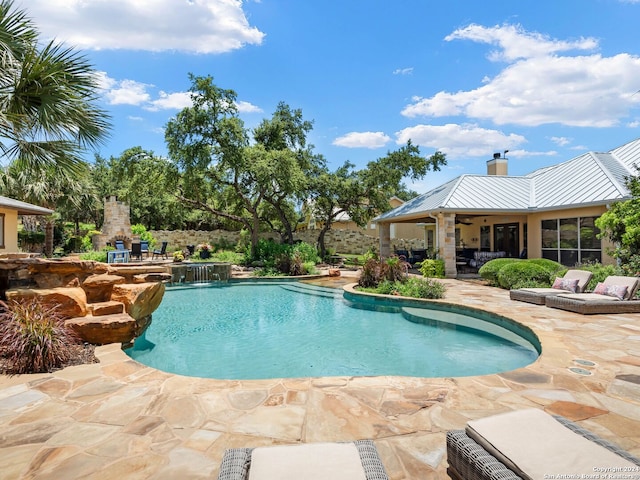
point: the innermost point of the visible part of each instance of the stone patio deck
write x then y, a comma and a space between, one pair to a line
121, 420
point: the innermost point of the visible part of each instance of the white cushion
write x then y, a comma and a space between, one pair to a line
535, 445
311, 461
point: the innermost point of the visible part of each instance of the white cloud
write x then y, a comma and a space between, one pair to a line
362, 140
561, 141
170, 101
540, 87
515, 43
246, 107
197, 26
460, 140
403, 71
128, 92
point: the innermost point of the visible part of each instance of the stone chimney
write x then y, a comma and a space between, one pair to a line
116, 226
498, 164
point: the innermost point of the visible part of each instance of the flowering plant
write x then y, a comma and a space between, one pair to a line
205, 246
178, 256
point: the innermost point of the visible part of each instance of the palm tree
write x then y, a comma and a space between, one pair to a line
48, 111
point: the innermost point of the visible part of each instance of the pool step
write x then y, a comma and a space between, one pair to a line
313, 290
458, 320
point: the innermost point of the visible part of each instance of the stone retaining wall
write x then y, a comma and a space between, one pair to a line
342, 241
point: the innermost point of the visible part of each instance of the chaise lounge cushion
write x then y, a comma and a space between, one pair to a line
535, 445
567, 284
317, 461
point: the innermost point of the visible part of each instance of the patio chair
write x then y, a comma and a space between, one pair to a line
357, 460
120, 245
136, 251
573, 281
615, 295
526, 444
144, 248
162, 252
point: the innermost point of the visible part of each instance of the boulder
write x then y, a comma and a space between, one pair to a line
71, 301
334, 272
140, 299
115, 328
104, 308
152, 277
99, 287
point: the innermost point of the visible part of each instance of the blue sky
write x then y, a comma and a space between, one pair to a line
546, 79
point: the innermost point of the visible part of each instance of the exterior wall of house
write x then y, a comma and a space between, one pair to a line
9, 241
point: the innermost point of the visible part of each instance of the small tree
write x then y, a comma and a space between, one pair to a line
621, 224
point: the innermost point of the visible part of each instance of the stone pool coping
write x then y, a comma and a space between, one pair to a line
120, 419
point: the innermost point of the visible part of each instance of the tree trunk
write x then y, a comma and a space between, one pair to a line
322, 251
48, 238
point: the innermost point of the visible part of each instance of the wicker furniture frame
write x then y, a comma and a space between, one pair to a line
237, 462
469, 461
592, 307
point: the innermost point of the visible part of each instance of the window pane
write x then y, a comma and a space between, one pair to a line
568, 258
568, 233
550, 254
485, 239
549, 234
590, 256
588, 234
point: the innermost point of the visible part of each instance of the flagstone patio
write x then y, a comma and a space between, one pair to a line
121, 420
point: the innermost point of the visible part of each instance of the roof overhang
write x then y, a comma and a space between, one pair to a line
23, 208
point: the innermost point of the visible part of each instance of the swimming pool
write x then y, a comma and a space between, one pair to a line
291, 330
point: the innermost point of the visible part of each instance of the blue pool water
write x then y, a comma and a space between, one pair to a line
289, 330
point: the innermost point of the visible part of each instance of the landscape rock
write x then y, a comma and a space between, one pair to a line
99, 287
71, 301
115, 328
140, 299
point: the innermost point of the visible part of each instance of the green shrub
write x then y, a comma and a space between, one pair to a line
228, 256
413, 287
395, 269
33, 337
524, 274
87, 243
432, 268
489, 271
554, 268
100, 256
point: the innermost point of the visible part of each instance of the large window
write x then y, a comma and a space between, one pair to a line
571, 240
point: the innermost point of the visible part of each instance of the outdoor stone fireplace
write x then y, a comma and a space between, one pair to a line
117, 224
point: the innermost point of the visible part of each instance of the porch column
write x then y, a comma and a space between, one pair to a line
447, 243
384, 229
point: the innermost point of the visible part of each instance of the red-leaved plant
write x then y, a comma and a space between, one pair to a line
33, 336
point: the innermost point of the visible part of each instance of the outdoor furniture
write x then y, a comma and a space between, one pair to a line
136, 251
480, 258
162, 252
144, 248
120, 245
417, 256
337, 461
573, 281
614, 295
523, 443
118, 256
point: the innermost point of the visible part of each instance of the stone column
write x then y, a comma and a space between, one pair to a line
385, 239
447, 242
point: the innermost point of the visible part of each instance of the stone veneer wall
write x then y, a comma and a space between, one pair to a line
342, 241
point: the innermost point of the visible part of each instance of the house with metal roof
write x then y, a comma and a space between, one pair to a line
548, 213
10, 209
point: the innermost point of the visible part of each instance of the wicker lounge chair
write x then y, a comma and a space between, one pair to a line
538, 295
236, 462
469, 460
596, 303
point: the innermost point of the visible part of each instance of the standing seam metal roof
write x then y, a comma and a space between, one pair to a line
588, 179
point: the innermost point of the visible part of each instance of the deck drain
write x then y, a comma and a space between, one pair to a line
580, 371
586, 363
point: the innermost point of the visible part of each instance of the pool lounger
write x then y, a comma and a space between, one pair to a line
537, 296
480, 458
337, 461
